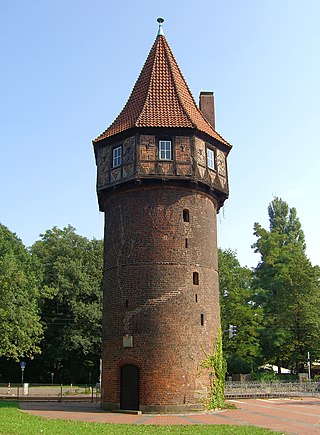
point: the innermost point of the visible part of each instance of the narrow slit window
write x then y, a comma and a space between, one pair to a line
195, 278
186, 215
202, 319
196, 297
186, 243
127, 303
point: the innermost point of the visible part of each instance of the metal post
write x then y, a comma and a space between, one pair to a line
309, 367
22, 366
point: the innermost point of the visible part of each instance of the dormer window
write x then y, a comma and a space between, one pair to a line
210, 159
116, 157
165, 150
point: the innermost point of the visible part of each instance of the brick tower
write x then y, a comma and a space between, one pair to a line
162, 177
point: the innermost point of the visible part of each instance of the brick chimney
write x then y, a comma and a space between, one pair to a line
206, 106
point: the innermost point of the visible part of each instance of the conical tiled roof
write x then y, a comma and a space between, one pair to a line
160, 98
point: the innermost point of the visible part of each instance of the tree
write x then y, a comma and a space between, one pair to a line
71, 267
20, 327
238, 308
289, 289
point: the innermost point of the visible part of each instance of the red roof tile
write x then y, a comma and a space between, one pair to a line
160, 98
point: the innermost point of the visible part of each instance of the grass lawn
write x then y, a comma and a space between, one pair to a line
15, 422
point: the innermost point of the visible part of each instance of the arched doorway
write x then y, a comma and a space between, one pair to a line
129, 387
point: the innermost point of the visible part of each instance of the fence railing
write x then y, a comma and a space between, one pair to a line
89, 393
60, 393
271, 389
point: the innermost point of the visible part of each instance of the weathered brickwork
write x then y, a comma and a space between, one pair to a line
183, 149
150, 295
129, 150
147, 148
141, 160
106, 174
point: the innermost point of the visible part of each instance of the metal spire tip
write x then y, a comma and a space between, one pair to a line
160, 31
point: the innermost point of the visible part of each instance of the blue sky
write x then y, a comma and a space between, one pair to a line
68, 67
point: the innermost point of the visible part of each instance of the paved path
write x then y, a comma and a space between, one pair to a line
299, 416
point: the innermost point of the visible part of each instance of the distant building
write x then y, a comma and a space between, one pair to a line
162, 178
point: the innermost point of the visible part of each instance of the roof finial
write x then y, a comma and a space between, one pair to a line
160, 31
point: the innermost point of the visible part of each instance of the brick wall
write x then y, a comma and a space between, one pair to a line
151, 254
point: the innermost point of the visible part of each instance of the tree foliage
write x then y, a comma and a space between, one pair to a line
54, 292
71, 271
288, 289
20, 327
237, 300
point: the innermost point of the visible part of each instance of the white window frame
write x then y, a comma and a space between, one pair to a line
116, 157
165, 150
211, 159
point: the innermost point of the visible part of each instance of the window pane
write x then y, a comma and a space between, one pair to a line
116, 157
165, 150
210, 159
